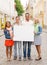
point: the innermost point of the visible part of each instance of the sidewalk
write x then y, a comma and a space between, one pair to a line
3, 60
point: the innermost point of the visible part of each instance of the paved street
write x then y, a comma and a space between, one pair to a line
3, 60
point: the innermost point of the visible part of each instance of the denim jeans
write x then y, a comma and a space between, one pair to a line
25, 48
17, 50
20, 49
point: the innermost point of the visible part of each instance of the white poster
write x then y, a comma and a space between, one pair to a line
23, 33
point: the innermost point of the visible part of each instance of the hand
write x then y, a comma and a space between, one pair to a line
34, 32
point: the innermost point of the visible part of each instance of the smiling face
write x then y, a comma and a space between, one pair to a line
36, 21
17, 19
8, 24
27, 16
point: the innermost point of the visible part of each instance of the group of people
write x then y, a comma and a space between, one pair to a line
9, 41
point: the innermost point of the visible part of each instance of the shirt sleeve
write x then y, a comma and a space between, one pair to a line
39, 30
5, 31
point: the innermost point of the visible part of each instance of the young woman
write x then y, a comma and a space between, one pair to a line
8, 41
37, 42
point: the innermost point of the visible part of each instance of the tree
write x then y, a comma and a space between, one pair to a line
19, 7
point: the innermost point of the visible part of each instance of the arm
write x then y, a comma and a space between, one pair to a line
11, 33
5, 31
7, 34
40, 30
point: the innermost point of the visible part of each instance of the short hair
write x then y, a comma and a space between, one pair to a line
17, 16
27, 13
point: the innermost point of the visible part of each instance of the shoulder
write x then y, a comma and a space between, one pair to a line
11, 28
5, 30
31, 22
39, 26
14, 25
23, 22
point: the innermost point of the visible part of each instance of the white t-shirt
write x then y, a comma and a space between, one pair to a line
30, 22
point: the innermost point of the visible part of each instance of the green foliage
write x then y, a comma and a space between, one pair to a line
19, 7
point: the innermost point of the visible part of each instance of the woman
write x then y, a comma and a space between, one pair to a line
37, 40
8, 41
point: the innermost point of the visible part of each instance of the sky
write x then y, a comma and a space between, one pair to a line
24, 3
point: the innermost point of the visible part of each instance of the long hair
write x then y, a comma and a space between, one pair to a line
6, 24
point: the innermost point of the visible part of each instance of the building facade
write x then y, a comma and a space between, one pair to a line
45, 11
7, 12
38, 9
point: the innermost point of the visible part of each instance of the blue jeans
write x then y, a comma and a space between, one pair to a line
19, 48
15, 49
25, 49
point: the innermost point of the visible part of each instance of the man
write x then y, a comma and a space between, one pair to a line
27, 22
